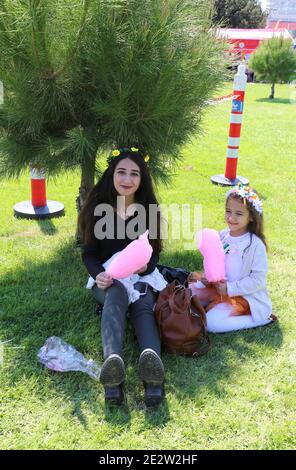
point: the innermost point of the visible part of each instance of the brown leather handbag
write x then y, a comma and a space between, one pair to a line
182, 321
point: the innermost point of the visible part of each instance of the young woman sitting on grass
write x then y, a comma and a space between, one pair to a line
125, 182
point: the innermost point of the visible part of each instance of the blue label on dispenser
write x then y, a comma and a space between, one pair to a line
237, 106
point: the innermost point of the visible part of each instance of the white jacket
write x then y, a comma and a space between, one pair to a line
252, 279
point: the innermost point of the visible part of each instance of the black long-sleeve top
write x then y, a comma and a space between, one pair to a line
95, 254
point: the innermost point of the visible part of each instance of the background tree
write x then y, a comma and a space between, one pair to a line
81, 77
239, 14
274, 62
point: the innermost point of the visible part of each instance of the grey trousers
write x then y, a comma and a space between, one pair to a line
113, 320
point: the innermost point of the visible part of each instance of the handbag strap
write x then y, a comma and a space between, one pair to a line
179, 293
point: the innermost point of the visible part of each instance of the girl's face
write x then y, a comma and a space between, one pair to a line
126, 178
237, 217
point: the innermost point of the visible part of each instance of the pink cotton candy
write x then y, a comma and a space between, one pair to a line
131, 259
210, 246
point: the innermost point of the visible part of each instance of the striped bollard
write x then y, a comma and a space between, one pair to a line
230, 178
38, 207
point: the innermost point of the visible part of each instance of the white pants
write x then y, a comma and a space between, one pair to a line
219, 319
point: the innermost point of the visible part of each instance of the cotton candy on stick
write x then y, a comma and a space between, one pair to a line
210, 246
131, 259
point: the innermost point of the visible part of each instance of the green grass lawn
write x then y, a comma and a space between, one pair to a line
239, 396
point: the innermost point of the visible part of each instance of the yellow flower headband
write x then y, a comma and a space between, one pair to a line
118, 152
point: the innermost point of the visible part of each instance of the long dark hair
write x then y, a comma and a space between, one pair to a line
105, 192
256, 224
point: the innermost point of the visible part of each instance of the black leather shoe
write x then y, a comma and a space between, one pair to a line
114, 395
153, 395
112, 377
151, 372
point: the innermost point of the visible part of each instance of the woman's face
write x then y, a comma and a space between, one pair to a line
126, 178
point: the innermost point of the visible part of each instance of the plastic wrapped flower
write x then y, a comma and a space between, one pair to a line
115, 153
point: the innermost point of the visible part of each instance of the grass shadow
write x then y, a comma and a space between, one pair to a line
190, 377
274, 100
48, 298
159, 417
117, 415
47, 226
186, 377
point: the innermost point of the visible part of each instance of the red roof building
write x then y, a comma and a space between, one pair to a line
282, 14
289, 25
246, 41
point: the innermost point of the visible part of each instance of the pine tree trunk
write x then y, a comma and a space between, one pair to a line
272, 92
87, 181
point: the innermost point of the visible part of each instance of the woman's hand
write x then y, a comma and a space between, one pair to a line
104, 280
142, 270
221, 287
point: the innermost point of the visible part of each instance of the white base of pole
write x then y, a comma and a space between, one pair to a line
220, 179
25, 210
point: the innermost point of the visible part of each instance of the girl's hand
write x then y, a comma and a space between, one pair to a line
142, 270
104, 280
221, 287
204, 280
196, 276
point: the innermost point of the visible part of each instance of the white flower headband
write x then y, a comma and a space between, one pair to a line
247, 193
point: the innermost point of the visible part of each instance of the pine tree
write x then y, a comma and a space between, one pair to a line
82, 77
274, 61
239, 13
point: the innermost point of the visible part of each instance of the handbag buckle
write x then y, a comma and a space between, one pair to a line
146, 289
194, 314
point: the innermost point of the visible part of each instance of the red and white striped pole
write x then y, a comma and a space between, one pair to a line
230, 177
38, 207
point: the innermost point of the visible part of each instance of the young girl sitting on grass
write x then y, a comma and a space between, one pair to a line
241, 301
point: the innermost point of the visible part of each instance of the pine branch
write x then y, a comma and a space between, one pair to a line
87, 4
142, 75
